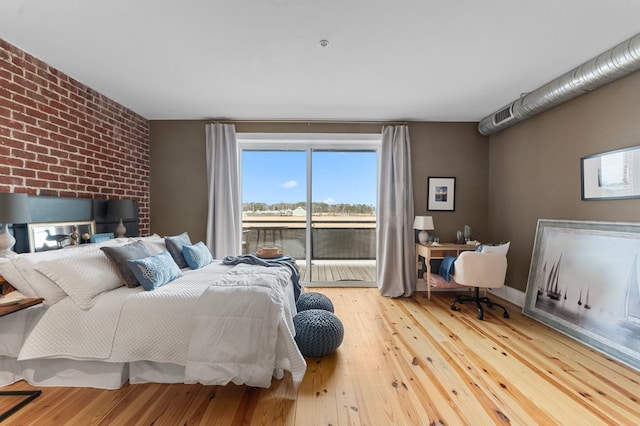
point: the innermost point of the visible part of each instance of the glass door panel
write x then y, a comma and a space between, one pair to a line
274, 197
343, 216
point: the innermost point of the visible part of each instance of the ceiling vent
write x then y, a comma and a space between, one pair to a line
502, 115
609, 66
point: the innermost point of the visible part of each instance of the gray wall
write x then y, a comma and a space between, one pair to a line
535, 168
505, 182
179, 187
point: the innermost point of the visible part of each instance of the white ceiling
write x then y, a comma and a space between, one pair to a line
428, 60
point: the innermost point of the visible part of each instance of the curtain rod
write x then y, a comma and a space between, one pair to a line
307, 122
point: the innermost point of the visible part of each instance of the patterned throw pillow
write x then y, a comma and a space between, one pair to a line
197, 255
175, 244
155, 271
120, 256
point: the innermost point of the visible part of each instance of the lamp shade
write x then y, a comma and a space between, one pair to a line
120, 209
423, 223
14, 208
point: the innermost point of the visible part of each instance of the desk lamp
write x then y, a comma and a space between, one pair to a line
14, 208
424, 224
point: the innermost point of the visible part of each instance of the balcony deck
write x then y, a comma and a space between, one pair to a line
343, 247
333, 271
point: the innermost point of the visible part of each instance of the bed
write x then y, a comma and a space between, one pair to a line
213, 325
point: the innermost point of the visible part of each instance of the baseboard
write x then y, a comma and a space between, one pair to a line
515, 296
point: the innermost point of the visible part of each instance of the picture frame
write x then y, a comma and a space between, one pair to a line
45, 236
584, 282
611, 175
441, 193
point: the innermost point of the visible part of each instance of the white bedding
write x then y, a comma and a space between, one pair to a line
128, 325
243, 330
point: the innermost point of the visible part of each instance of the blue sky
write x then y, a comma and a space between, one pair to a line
280, 176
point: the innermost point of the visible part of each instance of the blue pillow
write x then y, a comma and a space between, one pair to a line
155, 271
197, 255
174, 245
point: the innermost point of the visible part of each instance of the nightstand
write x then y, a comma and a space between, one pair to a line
32, 394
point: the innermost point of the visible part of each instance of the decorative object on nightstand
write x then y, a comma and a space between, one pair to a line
120, 209
424, 224
14, 208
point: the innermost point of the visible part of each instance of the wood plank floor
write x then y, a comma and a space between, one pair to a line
403, 362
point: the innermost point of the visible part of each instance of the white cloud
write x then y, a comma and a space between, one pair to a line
290, 184
330, 201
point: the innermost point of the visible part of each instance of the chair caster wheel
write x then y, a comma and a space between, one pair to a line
480, 316
489, 304
454, 308
505, 315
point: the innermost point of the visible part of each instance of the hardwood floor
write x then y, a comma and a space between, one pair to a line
403, 362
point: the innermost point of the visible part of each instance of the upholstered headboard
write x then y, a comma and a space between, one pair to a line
61, 209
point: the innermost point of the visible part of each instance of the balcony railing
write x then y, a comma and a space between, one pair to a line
333, 237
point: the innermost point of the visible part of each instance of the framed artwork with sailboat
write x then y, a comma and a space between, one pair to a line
583, 281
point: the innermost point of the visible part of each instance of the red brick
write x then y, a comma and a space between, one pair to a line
12, 124
11, 180
34, 165
23, 173
62, 138
27, 84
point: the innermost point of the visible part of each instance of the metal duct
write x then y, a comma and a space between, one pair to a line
611, 65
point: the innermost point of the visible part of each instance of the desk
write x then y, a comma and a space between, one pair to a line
430, 252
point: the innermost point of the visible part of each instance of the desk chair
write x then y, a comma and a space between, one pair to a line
477, 269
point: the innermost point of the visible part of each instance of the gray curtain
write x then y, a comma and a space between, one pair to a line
224, 217
396, 240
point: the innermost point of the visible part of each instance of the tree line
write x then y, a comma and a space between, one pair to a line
317, 207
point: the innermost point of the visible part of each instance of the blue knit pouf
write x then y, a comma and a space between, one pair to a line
318, 332
313, 301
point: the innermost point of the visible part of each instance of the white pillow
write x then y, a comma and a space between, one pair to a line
83, 276
40, 284
13, 276
500, 248
155, 243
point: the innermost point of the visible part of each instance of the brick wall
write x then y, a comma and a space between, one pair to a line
58, 137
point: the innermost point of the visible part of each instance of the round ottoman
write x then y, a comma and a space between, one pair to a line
313, 301
318, 332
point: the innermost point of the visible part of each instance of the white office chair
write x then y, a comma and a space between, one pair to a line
480, 270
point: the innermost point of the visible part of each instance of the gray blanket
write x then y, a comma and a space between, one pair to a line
286, 261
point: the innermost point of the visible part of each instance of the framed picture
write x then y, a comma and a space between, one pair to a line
58, 235
611, 175
583, 282
441, 193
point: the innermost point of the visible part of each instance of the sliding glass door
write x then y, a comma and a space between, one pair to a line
315, 199
343, 216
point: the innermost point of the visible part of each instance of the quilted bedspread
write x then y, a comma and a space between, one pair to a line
130, 324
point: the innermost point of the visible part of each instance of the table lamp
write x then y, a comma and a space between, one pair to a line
120, 209
424, 224
14, 208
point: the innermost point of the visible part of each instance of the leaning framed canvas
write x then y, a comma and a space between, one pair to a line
58, 235
583, 282
611, 175
441, 193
